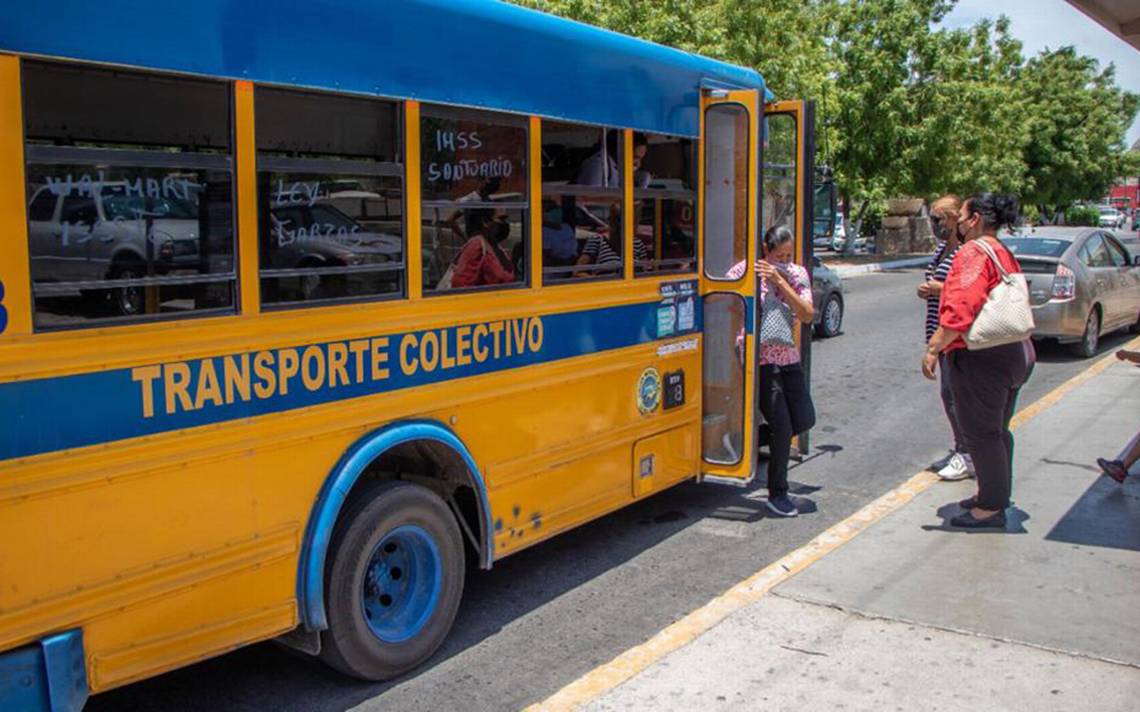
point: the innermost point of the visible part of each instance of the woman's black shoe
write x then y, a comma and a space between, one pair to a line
967, 521
968, 503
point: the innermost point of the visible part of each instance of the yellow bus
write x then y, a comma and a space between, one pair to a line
306, 307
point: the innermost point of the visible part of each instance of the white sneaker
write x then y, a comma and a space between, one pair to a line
942, 461
959, 468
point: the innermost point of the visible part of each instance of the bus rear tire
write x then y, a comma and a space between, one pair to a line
393, 581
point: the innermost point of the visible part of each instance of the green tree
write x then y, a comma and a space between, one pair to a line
906, 107
1077, 119
966, 132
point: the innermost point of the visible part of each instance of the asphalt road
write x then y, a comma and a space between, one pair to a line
545, 616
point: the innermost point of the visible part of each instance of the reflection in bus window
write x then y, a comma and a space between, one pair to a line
779, 173
475, 192
330, 198
666, 206
130, 214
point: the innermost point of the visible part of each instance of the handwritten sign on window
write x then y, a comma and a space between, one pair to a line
472, 159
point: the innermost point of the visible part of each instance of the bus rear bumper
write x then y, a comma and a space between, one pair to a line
48, 675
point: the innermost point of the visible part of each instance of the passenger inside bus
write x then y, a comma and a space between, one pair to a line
482, 261
602, 254
559, 245
602, 167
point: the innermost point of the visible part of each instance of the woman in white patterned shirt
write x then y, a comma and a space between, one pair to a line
784, 398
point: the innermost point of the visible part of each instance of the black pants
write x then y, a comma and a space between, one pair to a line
985, 385
786, 405
948, 402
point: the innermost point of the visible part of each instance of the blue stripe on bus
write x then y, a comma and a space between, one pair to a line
51, 414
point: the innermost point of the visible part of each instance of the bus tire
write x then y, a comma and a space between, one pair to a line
393, 581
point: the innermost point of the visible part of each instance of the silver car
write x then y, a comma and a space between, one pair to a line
1082, 283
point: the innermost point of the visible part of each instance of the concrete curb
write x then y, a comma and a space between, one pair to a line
856, 270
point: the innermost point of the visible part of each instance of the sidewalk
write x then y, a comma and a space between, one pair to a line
852, 265
912, 615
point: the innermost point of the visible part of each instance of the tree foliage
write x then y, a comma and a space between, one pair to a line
1077, 118
905, 106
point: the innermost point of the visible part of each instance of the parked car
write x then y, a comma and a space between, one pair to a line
1111, 217
1083, 283
827, 296
821, 241
839, 239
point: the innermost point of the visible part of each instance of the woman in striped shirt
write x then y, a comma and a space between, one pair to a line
944, 223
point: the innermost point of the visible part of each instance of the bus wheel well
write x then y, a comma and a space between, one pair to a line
437, 467
425, 452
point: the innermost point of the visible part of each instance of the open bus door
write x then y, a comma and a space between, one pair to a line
728, 201
788, 197
737, 207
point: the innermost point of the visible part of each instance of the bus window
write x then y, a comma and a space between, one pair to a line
779, 198
726, 189
475, 199
665, 203
582, 227
130, 195
330, 197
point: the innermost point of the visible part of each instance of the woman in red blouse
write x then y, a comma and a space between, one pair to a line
985, 382
482, 261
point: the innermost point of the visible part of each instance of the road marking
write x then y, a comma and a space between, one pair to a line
633, 661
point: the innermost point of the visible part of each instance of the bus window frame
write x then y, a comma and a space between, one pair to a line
524, 206
671, 266
615, 273
270, 161
123, 155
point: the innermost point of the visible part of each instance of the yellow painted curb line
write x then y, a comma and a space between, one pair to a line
633, 661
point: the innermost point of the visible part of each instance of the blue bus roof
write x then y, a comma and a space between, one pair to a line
465, 52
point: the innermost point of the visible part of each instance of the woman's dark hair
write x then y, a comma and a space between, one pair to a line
477, 219
998, 210
776, 236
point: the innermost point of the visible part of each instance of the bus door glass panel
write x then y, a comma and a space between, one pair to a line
728, 283
778, 204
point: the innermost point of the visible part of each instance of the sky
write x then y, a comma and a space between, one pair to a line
1041, 24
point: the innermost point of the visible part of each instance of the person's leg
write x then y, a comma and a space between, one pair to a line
1132, 455
801, 410
981, 399
948, 402
775, 410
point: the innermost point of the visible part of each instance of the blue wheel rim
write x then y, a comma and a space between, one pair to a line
401, 584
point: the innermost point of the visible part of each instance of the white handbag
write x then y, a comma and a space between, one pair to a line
1006, 317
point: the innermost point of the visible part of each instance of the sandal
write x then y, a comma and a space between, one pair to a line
968, 521
1112, 468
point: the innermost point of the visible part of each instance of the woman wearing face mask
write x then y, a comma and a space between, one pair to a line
482, 260
957, 465
784, 398
985, 382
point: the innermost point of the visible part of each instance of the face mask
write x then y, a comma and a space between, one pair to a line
501, 232
963, 230
941, 231
552, 216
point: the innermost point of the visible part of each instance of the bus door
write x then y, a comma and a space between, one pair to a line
728, 200
787, 190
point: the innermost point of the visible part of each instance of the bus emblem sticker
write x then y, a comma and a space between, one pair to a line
649, 391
